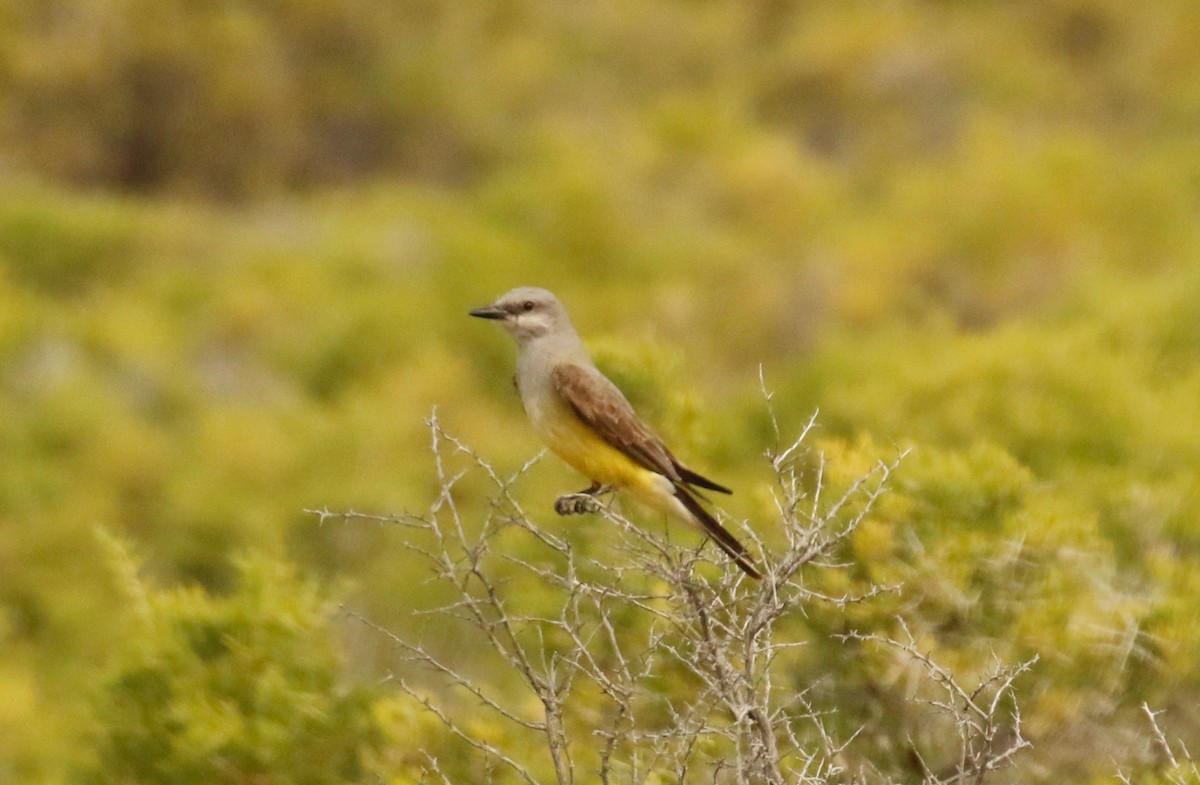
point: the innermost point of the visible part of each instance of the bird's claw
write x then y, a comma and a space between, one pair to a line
576, 504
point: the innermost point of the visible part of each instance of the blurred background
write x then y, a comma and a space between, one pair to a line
238, 241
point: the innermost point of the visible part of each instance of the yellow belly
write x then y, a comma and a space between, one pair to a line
585, 451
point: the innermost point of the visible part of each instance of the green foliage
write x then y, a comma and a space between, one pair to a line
230, 689
990, 567
964, 228
66, 251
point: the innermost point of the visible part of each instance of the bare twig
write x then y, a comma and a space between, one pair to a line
647, 659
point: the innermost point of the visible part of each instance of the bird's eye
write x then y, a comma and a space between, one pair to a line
527, 305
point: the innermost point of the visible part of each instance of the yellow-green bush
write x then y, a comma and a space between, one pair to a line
965, 228
228, 689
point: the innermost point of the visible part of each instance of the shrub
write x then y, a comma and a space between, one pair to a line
234, 689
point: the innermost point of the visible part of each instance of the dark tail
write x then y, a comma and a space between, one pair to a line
726, 541
699, 480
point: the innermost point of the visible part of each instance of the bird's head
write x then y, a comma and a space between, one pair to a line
527, 313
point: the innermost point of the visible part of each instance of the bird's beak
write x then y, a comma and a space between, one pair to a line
490, 312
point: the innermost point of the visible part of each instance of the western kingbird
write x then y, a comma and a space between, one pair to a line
585, 420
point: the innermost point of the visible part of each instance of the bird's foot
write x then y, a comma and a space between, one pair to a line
576, 504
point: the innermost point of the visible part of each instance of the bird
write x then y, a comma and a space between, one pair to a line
588, 422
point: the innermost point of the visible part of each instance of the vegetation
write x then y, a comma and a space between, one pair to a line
237, 246
230, 690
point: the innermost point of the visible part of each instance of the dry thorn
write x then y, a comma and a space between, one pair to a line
692, 619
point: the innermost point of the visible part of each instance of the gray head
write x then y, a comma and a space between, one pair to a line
528, 312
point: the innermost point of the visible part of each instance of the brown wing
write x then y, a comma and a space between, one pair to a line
599, 403
602, 406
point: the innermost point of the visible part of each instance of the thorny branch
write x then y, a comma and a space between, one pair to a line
989, 737
649, 612
1179, 769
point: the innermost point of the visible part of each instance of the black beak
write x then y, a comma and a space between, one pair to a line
490, 312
